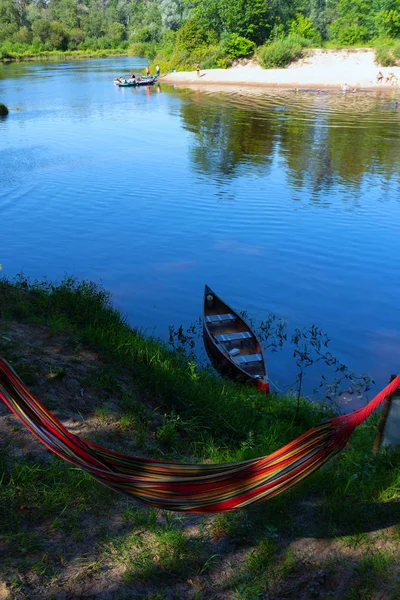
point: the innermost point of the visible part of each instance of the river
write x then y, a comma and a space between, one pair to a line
282, 202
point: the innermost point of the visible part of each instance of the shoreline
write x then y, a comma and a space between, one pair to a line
321, 69
61, 56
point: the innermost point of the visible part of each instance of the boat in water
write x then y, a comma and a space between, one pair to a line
231, 344
135, 82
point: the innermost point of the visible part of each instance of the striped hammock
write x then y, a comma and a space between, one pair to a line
193, 488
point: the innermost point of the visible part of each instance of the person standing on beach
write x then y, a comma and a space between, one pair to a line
198, 69
147, 71
157, 70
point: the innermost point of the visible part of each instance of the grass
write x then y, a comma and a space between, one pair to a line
142, 397
29, 54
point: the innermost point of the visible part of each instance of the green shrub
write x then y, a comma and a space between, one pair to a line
396, 49
281, 52
3, 110
384, 55
234, 45
216, 58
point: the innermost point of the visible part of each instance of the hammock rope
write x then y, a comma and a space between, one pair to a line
200, 488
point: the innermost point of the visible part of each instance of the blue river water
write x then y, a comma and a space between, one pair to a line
282, 202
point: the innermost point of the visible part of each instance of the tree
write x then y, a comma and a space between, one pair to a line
251, 19
355, 22
58, 37
41, 29
173, 14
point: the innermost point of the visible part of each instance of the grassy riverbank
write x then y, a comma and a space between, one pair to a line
335, 535
18, 55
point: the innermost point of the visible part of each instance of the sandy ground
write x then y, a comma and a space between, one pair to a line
320, 69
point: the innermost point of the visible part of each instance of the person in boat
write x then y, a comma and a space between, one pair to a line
147, 71
133, 76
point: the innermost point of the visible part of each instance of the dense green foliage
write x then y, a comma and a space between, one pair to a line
180, 33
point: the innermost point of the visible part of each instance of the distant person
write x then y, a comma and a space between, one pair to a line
157, 70
148, 71
345, 88
379, 77
392, 79
198, 69
133, 76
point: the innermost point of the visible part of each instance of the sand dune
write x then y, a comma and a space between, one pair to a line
318, 69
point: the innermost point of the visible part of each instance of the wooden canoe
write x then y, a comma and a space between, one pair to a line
231, 343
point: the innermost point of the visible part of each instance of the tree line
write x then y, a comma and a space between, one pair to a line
214, 32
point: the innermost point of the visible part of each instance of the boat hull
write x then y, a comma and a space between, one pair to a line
142, 82
231, 344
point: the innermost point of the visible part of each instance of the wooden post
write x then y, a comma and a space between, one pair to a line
382, 422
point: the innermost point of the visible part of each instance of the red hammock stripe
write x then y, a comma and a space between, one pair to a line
193, 488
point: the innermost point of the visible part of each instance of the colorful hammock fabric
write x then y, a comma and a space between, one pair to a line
181, 487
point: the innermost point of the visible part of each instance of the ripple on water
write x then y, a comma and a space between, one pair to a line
280, 200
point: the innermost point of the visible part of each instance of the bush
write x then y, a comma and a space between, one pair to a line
396, 49
3, 110
282, 51
384, 55
235, 46
216, 57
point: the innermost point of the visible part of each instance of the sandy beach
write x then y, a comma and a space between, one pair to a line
319, 69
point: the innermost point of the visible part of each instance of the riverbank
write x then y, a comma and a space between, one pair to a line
57, 56
317, 69
65, 535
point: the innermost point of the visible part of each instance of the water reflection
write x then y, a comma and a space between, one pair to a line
324, 139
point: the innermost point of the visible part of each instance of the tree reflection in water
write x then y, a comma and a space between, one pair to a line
325, 140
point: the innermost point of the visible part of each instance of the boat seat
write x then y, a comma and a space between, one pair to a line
248, 358
233, 337
218, 318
